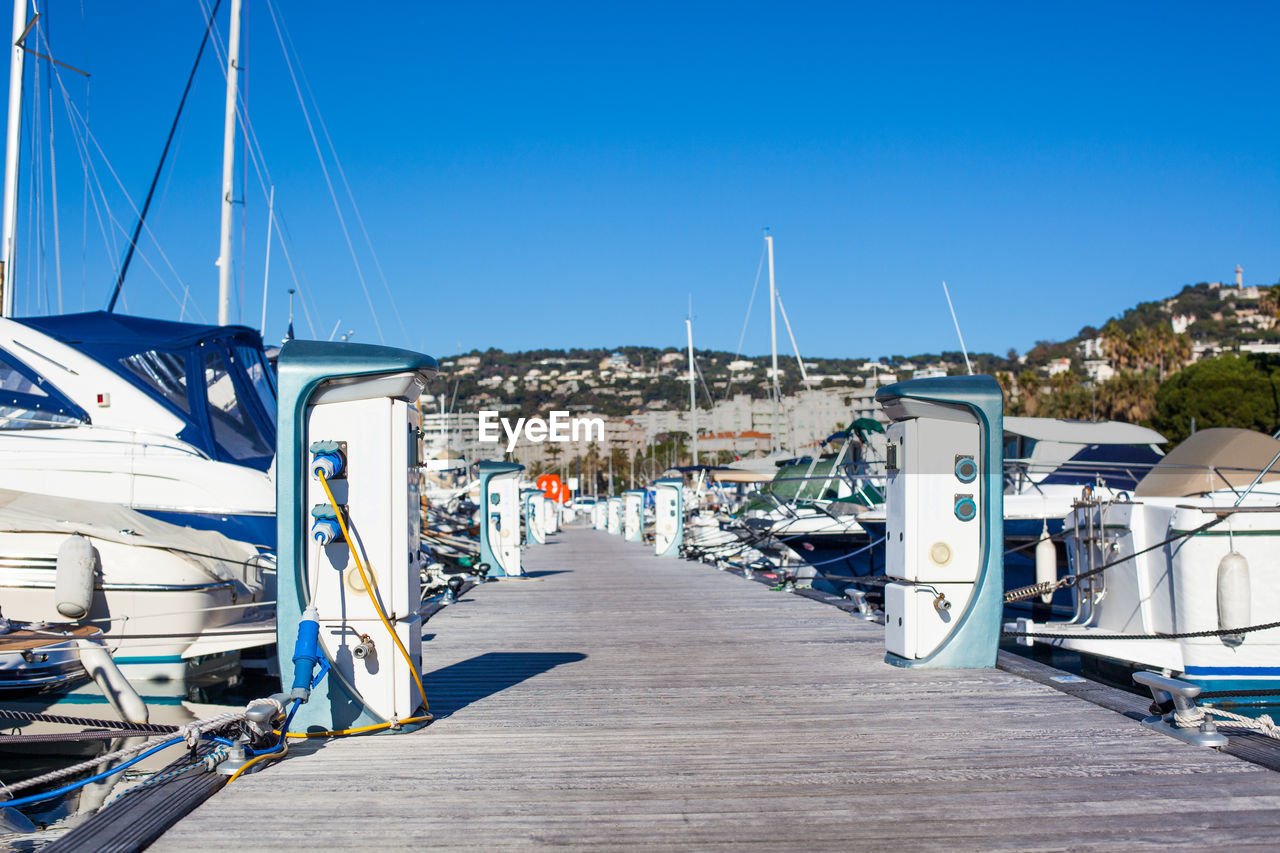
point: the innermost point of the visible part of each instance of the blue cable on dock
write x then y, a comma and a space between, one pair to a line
66, 789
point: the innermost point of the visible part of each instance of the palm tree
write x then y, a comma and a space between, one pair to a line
1128, 396
554, 450
1029, 384
1269, 303
621, 466
1117, 345
592, 463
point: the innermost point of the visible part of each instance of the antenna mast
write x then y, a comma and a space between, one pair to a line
963, 351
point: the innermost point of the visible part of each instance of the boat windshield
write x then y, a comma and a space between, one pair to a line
234, 430
165, 372
28, 402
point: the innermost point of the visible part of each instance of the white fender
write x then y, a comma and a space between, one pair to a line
1233, 596
97, 661
73, 584
1046, 562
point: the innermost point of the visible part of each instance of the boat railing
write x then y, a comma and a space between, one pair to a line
117, 435
1018, 471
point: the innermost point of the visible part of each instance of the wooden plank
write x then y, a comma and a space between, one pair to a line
618, 700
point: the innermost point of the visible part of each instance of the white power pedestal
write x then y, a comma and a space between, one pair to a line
933, 524
377, 489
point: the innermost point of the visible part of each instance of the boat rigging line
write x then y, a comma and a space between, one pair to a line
346, 233
742, 337
164, 154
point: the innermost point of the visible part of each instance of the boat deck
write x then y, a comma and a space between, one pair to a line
619, 700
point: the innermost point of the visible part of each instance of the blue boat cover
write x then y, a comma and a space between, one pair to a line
186, 359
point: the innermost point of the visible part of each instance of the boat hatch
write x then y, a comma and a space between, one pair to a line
215, 378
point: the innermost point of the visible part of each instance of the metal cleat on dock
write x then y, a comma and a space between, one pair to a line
863, 607
1187, 721
455, 589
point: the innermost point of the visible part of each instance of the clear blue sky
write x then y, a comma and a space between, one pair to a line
555, 175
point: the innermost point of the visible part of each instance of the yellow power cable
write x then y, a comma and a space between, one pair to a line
252, 761
373, 728
371, 589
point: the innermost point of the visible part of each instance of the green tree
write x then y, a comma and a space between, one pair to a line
1228, 391
1028, 399
1128, 396
1067, 398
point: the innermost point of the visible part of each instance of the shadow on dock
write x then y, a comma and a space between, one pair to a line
455, 687
545, 572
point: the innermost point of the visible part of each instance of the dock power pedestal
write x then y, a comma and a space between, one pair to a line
349, 435
633, 515
500, 517
613, 521
668, 516
550, 515
534, 517
944, 508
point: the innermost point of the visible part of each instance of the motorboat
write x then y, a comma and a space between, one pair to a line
174, 420
175, 605
1171, 575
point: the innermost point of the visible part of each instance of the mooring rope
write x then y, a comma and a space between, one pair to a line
1194, 717
190, 733
1081, 635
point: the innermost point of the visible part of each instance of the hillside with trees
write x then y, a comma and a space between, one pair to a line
1207, 356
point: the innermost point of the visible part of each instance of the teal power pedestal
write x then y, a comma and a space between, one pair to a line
633, 515
668, 516
500, 517
349, 412
533, 516
944, 508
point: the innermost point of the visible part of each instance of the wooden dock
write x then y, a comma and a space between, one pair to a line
618, 700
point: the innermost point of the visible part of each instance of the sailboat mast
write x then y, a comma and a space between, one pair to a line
17, 64
773, 338
228, 168
693, 396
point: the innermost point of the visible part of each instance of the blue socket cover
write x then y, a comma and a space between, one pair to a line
966, 508
325, 531
330, 464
